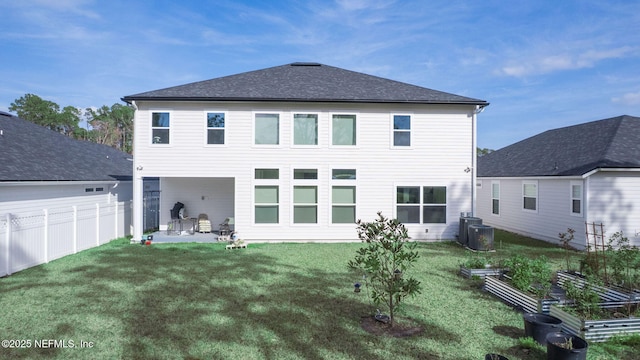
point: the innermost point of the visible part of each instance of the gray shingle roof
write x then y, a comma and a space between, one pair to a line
304, 82
31, 152
572, 150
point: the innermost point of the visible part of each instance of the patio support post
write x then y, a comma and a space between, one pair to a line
137, 207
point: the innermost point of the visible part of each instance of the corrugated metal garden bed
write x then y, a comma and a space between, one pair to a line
595, 330
525, 301
481, 273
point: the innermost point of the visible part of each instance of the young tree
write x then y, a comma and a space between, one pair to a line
384, 260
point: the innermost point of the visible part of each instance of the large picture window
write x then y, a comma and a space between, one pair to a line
160, 122
421, 204
267, 129
215, 128
305, 129
401, 130
343, 130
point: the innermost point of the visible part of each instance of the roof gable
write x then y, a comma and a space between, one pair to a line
573, 150
304, 82
31, 152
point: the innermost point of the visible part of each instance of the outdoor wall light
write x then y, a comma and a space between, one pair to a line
139, 168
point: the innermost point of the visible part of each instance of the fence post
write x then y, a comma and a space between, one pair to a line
7, 245
97, 224
115, 219
75, 229
45, 238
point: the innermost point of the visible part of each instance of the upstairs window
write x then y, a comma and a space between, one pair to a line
160, 127
343, 130
215, 128
401, 130
267, 129
305, 129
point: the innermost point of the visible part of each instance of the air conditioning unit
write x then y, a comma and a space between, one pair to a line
465, 222
480, 237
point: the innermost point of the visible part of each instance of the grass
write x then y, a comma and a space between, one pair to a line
269, 301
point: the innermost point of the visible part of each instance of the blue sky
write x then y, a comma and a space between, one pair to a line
541, 64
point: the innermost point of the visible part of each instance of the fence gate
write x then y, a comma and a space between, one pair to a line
151, 210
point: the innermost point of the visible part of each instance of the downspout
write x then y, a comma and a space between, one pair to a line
474, 157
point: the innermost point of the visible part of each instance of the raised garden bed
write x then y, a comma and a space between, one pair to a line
481, 273
526, 302
611, 297
595, 330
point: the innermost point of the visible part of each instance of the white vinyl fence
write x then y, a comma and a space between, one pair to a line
34, 238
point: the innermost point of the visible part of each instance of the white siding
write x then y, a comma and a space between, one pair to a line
614, 200
441, 138
553, 215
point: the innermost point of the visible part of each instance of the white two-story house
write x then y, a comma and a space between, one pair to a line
299, 152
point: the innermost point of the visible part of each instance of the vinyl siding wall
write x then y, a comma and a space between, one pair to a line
614, 200
441, 138
553, 214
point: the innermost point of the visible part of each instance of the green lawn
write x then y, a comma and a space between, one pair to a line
269, 301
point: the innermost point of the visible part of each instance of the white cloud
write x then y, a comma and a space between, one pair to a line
545, 64
628, 99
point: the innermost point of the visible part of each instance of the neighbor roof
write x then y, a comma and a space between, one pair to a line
304, 82
573, 150
31, 152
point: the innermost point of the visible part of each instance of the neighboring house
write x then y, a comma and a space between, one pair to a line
301, 151
564, 178
58, 195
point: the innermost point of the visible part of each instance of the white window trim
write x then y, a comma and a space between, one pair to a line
319, 130
530, 182
206, 128
421, 204
151, 127
306, 182
342, 182
357, 115
253, 129
266, 182
573, 183
496, 182
392, 131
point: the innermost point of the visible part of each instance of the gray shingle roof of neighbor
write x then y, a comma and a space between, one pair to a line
31, 152
304, 82
569, 151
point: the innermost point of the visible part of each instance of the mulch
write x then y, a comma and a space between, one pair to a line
401, 329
